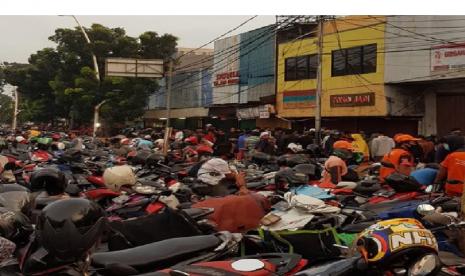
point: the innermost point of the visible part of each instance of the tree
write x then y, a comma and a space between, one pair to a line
60, 82
6, 109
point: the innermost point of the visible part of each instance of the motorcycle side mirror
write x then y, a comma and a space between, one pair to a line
387, 164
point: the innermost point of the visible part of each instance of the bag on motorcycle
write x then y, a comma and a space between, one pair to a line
311, 244
151, 228
402, 183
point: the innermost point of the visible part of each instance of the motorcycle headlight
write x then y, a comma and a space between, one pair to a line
426, 265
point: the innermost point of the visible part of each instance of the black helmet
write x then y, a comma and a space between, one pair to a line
68, 228
50, 179
15, 226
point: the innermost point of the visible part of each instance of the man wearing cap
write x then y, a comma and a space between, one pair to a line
264, 145
401, 158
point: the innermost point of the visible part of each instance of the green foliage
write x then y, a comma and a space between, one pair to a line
60, 82
6, 109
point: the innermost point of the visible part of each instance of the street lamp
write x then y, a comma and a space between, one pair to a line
94, 58
97, 76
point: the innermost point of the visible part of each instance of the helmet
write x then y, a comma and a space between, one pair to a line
61, 146
69, 228
50, 179
17, 201
384, 241
20, 139
401, 138
294, 147
15, 226
125, 141
118, 176
342, 144
7, 248
147, 137
191, 140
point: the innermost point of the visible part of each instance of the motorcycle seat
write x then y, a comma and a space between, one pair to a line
157, 253
196, 213
255, 185
356, 228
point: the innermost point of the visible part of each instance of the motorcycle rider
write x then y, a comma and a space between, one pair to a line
453, 166
402, 157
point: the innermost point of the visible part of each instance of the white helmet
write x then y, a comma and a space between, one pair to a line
118, 176
294, 147
61, 146
19, 139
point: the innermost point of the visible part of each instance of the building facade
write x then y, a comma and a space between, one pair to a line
244, 79
191, 91
425, 61
353, 95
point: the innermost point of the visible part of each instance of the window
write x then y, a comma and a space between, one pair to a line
300, 68
355, 60
290, 70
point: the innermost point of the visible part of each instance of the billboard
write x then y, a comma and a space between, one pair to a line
136, 68
448, 57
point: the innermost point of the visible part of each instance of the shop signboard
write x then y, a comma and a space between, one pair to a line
351, 100
228, 78
448, 57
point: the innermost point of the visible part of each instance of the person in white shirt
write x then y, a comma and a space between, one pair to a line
380, 146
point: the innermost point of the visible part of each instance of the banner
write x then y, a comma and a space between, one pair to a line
448, 57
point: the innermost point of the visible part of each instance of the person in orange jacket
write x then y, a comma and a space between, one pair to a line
453, 167
401, 159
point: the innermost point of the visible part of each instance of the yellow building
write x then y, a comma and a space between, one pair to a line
352, 77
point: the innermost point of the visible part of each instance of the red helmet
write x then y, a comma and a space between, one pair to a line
56, 137
191, 140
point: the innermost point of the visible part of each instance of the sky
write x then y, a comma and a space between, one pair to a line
23, 35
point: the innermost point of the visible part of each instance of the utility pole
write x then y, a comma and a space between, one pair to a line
15, 111
96, 118
319, 83
168, 92
168, 107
